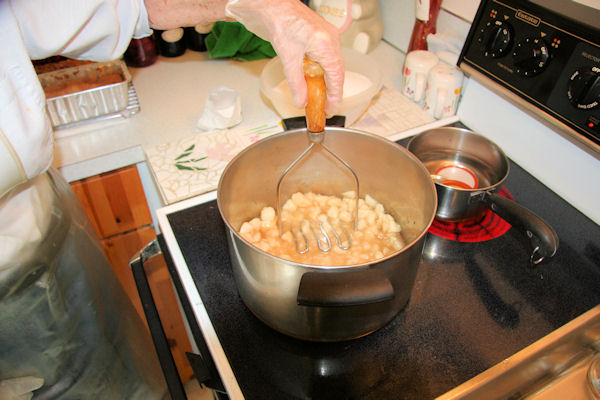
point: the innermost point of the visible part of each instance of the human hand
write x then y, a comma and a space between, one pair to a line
296, 31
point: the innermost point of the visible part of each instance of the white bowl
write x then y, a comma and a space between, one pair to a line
354, 103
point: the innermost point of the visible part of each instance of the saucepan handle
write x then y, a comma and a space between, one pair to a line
541, 235
342, 289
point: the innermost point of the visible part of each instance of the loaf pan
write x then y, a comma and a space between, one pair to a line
85, 92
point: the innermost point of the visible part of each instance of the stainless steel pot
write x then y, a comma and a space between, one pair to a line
461, 148
326, 303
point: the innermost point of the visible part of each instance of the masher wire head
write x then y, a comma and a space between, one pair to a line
324, 248
323, 240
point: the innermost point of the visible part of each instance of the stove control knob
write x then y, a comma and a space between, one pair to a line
495, 38
584, 88
531, 56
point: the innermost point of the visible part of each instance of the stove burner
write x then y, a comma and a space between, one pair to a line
489, 226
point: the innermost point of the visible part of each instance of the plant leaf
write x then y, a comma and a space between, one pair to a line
184, 167
182, 155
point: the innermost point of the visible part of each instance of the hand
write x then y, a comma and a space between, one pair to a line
296, 31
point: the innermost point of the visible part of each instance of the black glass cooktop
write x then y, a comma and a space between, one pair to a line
473, 305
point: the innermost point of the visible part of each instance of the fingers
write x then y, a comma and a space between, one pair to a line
333, 66
292, 69
296, 31
322, 47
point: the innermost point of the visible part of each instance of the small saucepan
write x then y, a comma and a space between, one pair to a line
468, 169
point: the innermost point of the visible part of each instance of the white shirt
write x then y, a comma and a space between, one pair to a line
98, 30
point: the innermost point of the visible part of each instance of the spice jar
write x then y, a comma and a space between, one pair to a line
171, 43
195, 36
141, 52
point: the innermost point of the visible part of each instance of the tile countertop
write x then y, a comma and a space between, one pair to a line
172, 93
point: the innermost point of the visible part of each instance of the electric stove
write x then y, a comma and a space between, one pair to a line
476, 301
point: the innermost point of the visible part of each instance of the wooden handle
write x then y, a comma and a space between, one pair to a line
317, 94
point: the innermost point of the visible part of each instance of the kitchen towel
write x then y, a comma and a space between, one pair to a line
233, 40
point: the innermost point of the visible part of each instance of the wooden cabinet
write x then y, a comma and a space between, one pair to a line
117, 207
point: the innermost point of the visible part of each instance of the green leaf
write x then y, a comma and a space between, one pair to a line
184, 167
190, 148
182, 155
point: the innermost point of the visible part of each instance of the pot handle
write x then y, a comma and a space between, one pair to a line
541, 235
341, 289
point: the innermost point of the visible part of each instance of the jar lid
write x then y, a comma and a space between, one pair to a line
172, 35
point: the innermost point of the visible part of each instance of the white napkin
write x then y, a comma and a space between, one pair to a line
223, 109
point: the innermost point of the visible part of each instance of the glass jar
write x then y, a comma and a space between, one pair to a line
141, 52
426, 19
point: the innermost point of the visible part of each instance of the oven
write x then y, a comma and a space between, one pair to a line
478, 311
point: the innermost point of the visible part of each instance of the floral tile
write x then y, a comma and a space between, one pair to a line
193, 165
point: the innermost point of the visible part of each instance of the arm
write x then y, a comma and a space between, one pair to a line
102, 29
89, 29
98, 30
294, 30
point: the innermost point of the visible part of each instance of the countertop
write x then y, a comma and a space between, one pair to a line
172, 93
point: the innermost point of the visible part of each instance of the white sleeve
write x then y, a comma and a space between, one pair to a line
85, 29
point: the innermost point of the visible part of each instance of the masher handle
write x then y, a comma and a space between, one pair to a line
317, 94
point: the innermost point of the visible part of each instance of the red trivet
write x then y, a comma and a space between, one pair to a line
489, 226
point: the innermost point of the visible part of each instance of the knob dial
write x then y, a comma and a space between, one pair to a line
531, 56
584, 88
495, 38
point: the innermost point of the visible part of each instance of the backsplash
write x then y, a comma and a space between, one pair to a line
399, 17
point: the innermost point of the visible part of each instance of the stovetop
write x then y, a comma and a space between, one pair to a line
473, 305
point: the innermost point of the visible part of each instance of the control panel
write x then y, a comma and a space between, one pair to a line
548, 60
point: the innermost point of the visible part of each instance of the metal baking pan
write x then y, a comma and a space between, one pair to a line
85, 92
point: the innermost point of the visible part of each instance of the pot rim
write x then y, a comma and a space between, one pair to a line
330, 267
492, 144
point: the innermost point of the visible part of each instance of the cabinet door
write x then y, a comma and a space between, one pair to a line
114, 201
117, 207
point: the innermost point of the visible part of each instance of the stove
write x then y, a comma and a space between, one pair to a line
545, 56
487, 227
474, 304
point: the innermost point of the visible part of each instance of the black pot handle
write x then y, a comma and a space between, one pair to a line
342, 289
542, 237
